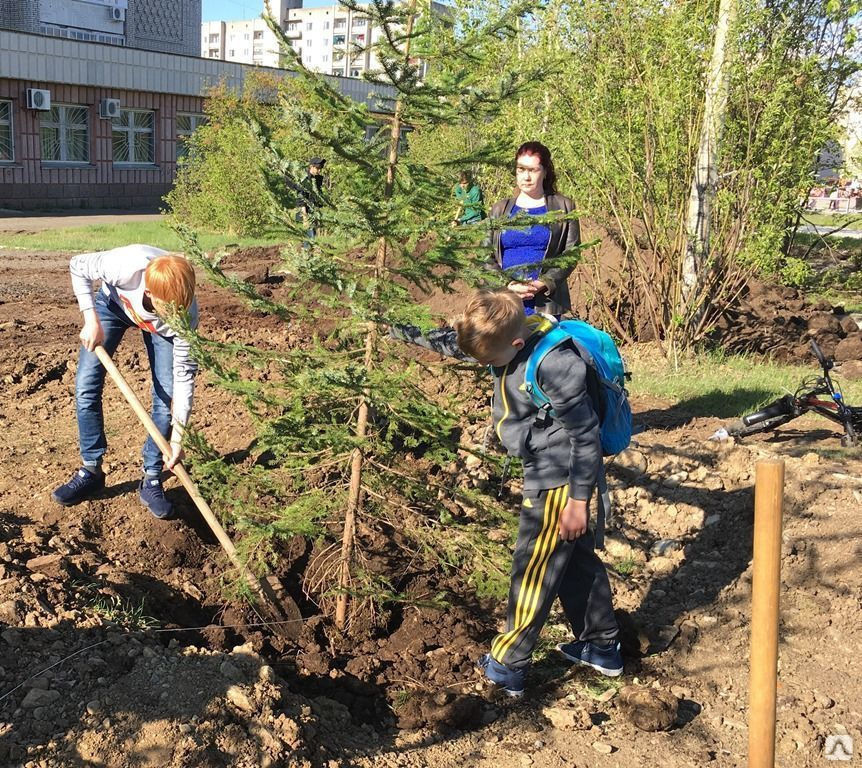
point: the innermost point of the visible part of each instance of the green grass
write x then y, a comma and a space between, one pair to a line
850, 220
719, 385
102, 237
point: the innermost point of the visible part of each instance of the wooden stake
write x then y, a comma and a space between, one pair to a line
768, 509
261, 586
354, 493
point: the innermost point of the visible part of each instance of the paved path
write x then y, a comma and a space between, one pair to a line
20, 222
823, 230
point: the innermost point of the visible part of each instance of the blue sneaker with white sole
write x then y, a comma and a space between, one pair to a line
85, 484
607, 660
510, 680
152, 496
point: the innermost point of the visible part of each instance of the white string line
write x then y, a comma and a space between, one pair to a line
167, 629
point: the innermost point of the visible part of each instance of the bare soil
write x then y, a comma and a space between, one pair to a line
202, 686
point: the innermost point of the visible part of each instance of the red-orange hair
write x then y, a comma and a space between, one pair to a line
171, 278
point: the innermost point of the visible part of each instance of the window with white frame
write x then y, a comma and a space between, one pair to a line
134, 137
7, 143
187, 124
309, 26
64, 131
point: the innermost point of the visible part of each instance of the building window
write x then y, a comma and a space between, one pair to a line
214, 53
308, 43
326, 25
213, 38
358, 22
7, 146
187, 124
326, 57
358, 38
231, 53
355, 72
258, 35
338, 39
134, 137
338, 71
65, 134
340, 23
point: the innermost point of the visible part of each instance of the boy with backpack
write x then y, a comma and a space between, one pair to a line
544, 412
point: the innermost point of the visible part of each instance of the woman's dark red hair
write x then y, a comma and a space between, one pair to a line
549, 185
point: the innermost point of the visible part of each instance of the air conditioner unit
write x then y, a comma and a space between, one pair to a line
38, 99
118, 14
109, 108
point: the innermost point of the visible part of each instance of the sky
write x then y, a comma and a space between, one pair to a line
232, 10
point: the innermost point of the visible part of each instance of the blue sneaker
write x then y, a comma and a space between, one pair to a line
510, 680
152, 496
608, 661
84, 485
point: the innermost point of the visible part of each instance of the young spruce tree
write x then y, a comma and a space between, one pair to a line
337, 411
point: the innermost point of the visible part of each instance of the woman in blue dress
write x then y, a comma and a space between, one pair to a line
519, 253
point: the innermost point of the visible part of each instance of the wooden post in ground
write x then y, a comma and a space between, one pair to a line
763, 680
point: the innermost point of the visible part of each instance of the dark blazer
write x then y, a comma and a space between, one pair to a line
565, 235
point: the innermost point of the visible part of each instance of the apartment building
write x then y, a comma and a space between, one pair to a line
330, 39
169, 26
245, 42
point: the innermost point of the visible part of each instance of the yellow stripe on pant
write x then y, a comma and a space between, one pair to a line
525, 580
531, 585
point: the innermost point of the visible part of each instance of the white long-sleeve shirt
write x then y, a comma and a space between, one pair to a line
121, 271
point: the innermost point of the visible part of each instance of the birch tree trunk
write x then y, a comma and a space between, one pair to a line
695, 265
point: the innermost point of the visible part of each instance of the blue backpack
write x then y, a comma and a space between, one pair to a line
597, 350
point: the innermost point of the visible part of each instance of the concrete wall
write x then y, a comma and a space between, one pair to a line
20, 15
95, 16
171, 26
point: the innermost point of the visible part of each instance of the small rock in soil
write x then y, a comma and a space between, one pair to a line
36, 697
649, 709
568, 718
602, 748
238, 697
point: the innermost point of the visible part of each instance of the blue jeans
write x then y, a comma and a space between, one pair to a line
90, 381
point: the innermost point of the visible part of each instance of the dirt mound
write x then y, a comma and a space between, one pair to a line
779, 322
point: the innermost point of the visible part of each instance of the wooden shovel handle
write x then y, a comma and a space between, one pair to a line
261, 585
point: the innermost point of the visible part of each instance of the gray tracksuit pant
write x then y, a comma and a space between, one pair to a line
544, 567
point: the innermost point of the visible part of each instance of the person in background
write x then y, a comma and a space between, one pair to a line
518, 254
310, 198
468, 195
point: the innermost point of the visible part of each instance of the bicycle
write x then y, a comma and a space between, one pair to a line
807, 399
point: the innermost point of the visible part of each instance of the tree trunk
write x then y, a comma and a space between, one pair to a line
695, 265
354, 496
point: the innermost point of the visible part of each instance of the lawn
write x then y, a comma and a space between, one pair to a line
714, 384
833, 220
102, 237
